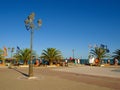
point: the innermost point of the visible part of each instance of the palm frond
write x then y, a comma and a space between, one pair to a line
116, 54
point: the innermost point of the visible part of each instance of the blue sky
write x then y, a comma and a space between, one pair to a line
67, 25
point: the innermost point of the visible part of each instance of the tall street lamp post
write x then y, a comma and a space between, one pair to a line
73, 53
29, 24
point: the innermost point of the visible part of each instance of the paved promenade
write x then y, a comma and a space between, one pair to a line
62, 78
109, 71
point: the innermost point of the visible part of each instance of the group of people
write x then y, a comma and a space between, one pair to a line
92, 61
76, 61
116, 61
97, 61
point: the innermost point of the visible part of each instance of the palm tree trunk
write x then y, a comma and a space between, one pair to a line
100, 62
25, 62
50, 62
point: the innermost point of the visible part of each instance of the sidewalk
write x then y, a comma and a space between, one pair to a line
49, 79
93, 70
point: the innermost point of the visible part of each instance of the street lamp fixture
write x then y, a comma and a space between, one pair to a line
30, 26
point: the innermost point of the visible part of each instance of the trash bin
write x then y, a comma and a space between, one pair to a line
9, 65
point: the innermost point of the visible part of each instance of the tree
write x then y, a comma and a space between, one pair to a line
100, 52
116, 54
51, 54
11, 50
1, 54
23, 55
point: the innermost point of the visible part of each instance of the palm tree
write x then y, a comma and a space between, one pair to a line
23, 55
117, 54
12, 50
100, 53
1, 55
51, 54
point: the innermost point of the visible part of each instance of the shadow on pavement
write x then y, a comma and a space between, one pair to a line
21, 72
117, 70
